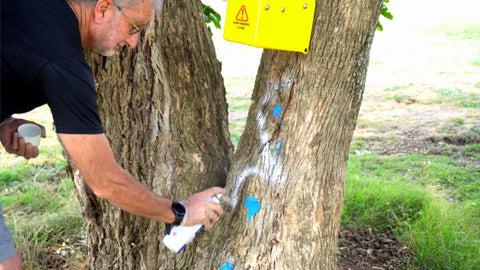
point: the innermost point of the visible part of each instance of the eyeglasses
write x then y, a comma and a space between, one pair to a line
135, 29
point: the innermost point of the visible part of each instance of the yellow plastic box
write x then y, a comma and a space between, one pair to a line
274, 24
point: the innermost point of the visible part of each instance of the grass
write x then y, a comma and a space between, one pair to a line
401, 98
40, 206
397, 88
431, 202
464, 99
449, 92
373, 125
459, 30
445, 236
238, 96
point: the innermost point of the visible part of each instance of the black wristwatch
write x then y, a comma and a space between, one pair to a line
179, 210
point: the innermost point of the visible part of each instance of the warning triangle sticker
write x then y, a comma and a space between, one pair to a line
242, 14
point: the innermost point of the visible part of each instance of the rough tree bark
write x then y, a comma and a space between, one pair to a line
164, 111
293, 154
292, 157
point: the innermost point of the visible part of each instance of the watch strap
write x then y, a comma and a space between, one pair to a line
179, 210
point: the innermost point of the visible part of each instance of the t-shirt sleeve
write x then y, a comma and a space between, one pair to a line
70, 91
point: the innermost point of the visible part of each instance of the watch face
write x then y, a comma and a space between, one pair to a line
178, 209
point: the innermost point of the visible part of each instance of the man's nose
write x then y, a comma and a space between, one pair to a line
132, 40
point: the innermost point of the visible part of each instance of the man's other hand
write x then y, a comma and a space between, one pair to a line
13, 143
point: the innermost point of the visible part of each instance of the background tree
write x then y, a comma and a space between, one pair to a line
292, 156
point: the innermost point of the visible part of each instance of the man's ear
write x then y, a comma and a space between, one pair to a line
104, 10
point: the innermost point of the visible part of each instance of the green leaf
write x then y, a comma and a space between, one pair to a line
385, 13
379, 26
211, 16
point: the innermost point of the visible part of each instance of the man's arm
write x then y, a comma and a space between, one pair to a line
93, 156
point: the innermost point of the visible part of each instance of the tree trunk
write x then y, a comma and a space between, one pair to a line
293, 154
164, 111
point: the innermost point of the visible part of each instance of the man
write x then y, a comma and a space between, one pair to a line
43, 62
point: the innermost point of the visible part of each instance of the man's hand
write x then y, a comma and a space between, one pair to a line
13, 143
201, 208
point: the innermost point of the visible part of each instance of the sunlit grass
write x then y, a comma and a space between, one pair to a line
459, 30
239, 99
432, 202
40, 208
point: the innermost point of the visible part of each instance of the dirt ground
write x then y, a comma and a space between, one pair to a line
363, 249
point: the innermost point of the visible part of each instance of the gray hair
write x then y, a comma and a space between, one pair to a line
127, 3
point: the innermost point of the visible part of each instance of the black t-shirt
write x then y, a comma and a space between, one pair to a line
43, 62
